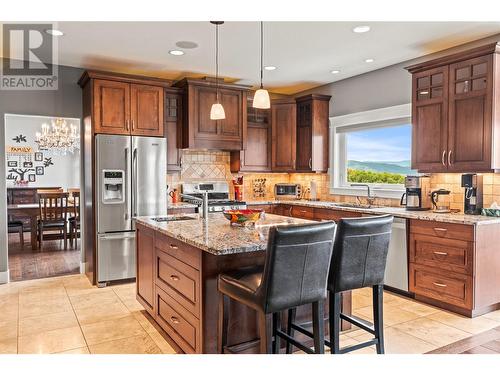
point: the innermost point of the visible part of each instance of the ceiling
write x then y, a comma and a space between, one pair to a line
304, 52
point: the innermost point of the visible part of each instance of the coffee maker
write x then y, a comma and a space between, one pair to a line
417, 193
473, 199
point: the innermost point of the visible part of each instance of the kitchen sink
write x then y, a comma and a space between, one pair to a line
172, 218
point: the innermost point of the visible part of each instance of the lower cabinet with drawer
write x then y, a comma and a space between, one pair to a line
455, 266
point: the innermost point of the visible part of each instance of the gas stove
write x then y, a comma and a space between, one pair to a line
218, 196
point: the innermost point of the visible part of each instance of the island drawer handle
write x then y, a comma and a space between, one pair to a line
440, 253
172, 246
303, 211
440, 285
174, 320
174, 277
442, 230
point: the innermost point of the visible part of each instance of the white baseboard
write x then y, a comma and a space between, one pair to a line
4, 277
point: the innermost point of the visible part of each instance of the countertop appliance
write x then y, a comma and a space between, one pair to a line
287, 191
417, 193
218, 195
441, 201
396, 271
473, 199
131, 175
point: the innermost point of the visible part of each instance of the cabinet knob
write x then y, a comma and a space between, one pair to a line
174, 320
442, 158
440, 253
174, 277
172, 246
449, 158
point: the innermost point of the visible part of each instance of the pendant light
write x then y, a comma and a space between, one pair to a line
261, 97
217, 111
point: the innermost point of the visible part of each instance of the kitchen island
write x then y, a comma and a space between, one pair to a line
177, 267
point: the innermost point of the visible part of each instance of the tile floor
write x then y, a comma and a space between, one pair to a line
68, 315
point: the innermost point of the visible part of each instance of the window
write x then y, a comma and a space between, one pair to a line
374, 148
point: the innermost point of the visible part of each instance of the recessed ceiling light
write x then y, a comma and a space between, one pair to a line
186, 44
369, 60
270, 67
54, 32
335, 71
361, 29
176, 52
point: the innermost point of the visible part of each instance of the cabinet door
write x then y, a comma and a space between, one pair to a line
172, 115
147, 110
284, 136
145, 267
111, 107
230, 127
430, 120
470, 121
304, 136
204, 127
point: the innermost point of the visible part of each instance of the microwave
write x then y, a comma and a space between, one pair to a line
287, 191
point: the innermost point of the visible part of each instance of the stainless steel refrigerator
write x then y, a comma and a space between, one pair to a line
131, 177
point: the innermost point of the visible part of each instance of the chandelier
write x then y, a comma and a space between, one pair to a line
58, 137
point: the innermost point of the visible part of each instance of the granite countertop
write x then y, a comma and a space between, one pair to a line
457, 218
217, 236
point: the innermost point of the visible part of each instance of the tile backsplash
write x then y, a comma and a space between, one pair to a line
202, 165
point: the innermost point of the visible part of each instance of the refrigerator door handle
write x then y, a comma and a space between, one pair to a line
134, 182
127, 212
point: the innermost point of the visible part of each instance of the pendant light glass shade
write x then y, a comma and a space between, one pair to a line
217, 112
261, 99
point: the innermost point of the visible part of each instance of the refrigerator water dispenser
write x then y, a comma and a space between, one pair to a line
113, 189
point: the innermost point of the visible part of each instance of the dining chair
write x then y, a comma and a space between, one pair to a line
16, 226
74, 220
53, 215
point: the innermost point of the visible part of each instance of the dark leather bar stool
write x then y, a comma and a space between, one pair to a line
295, 273
358, 261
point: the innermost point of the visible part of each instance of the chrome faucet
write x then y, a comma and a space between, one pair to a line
204, 203
369, 198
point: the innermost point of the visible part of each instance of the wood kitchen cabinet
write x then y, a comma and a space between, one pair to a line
284, 130
199, 131
454, 266
256, 153
454, 114
173, 127
145, 267
125, 104
312, 133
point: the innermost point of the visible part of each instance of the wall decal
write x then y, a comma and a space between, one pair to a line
31, 178
21, 172
47, 162
20, 138
12, 163
28, 164
12, 177
38, 156
20, 149
40, 171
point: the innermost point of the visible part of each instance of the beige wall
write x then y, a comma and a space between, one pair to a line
214, 165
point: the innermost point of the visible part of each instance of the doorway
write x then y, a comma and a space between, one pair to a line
42, 156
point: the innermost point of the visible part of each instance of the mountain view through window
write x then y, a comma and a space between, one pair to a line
380, 155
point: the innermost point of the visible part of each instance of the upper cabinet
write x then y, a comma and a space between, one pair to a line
173, 127
455, 120
124, 104
312, 133
256, 153
284, 133
199, 131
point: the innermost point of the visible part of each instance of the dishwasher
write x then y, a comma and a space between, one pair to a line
396, 271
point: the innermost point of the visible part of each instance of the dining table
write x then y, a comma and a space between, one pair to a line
30, 210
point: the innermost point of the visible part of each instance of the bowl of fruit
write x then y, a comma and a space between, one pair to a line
242, 217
